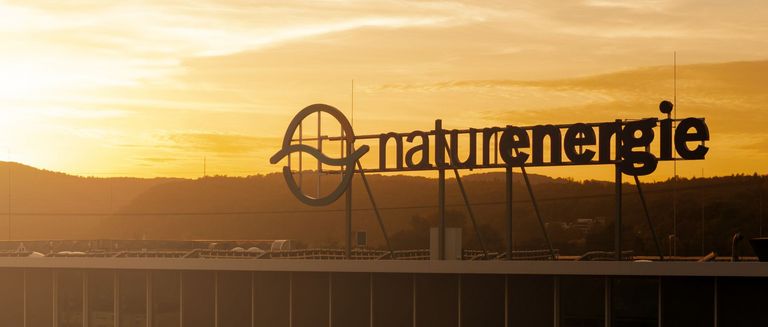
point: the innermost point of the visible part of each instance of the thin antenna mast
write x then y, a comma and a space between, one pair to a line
352, 99
9, 194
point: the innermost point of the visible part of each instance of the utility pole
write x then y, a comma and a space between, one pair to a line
674, 162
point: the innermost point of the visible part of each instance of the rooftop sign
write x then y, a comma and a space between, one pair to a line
632, 145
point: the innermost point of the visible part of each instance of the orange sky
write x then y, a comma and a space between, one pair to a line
151, 88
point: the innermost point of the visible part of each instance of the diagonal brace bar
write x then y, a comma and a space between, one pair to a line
471, 213
466, 200
375, 209
536, 209
648, 218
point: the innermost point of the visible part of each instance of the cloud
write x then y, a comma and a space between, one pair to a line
226, 73
60, 112
756, 143
224, 144
154, 160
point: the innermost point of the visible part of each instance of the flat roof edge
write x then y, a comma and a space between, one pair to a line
586, 268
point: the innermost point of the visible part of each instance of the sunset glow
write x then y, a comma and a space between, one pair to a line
155, 88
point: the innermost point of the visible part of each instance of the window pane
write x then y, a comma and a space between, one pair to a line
741, 301
101, 303
635, 302
234, 298
271, 298
531, 301
437, 300
392, 300
132, 298
70, 298
310, 299
12, 297
351, 299
197, 299
482, 300
166, 298
39, 298
582, 301
688, 301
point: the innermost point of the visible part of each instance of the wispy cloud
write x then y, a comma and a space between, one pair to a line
226, 144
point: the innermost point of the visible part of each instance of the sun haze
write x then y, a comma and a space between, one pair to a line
166, 88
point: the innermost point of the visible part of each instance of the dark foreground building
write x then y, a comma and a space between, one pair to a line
107, 291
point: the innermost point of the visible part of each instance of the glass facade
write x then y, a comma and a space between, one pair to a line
437, 299
392, 297
198, 298
688, 301
69, 299
531, 301
101, 298
166, 298
634, 302
12, 289
106, 297
234, 297
350, 299
482, 300
310, 303
271, 299
582, 301
132, 298
39, 288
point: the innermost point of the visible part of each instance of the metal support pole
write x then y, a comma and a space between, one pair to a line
116, 298
330, 300
556, 305
648, 218
508, 213
84, 284
441, 214
659, 303
216, 299
607, 297
55, 297
617, 236
301, 167
618, 214
348, 202
413, 299
148, 294
348, 214
290, 299
181, 300
24, 300
716, 306
375, 209
319, 148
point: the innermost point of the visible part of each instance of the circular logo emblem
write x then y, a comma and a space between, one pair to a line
348, 162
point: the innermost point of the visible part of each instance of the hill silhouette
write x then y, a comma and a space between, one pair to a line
50, 205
